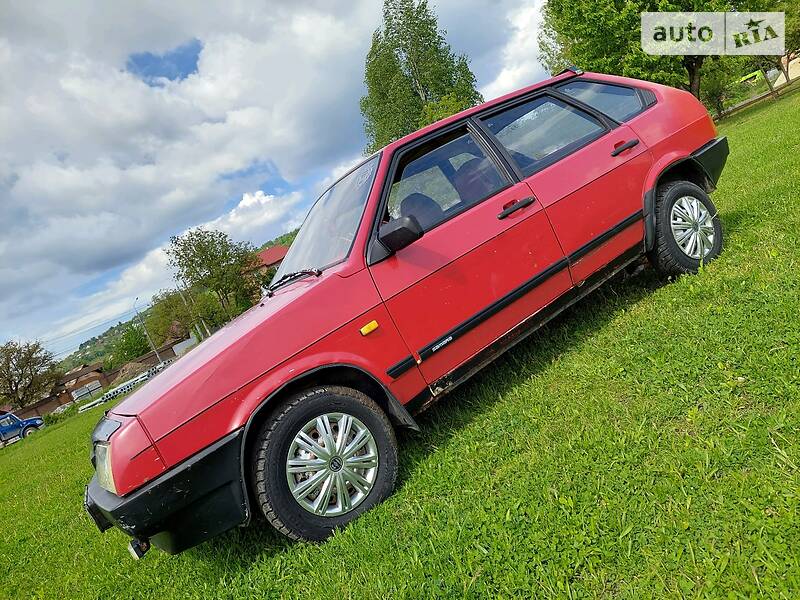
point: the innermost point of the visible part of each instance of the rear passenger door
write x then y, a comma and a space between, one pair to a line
585, 168
7, 428
488, 258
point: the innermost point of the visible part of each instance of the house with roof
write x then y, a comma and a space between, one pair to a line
270, 258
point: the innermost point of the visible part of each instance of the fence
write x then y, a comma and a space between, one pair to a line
127, 386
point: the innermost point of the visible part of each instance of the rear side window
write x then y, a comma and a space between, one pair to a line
543, 130
617, 101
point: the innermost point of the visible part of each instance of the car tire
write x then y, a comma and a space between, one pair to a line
688, 229
319, 508
27, 432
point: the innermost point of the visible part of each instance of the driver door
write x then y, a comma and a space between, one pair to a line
488, 257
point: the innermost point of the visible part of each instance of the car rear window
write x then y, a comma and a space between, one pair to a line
617, 101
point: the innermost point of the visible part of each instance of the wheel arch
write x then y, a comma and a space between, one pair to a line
339, 374
686, 168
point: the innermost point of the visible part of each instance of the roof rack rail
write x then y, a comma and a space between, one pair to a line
572, 69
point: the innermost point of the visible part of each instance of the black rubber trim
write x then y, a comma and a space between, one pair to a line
605, 236
515, 294
462, 373
492, 309
712, 157
571, 69
649, 219
192, 502
648, 97
401, 367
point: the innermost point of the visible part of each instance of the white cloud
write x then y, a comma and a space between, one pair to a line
520, 65
254, 214
98, 169
144, 279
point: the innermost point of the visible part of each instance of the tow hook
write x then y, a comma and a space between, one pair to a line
138, 548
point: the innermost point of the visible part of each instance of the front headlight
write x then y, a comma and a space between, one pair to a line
105, 477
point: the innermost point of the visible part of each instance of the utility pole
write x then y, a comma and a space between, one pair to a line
149, 339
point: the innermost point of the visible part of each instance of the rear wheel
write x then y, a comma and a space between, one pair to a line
688, 229
326, 456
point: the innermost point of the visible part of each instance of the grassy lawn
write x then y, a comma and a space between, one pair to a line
646, 443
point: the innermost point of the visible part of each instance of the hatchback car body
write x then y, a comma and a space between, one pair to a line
409, 274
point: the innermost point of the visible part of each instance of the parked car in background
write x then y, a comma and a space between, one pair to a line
410, 273
13, 428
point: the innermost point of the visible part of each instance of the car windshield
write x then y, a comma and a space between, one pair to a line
326, 236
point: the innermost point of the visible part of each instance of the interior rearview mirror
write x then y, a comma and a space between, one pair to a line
399, 233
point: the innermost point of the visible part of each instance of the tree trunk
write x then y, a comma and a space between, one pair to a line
769, 83
223, 303
693, 65
785, 68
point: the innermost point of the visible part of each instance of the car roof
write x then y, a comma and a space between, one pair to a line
568, 74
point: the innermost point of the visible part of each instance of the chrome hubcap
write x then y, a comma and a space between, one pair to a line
332, 464
692, 227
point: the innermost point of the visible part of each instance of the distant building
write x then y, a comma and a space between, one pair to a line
85, 380
75, 383
271, 257
83, 375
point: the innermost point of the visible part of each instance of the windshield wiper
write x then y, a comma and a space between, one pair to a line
288, 277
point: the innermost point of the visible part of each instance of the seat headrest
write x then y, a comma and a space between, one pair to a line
423, 207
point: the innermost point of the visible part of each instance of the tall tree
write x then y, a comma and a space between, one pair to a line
605, 36
791, 10
211, 260
720, 81
169, 316
412, 75
792, 30
130, 345
27, 372
174, 313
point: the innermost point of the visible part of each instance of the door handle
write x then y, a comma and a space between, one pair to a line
515, 206
626, 146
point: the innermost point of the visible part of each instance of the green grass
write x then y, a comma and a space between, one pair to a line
644, 444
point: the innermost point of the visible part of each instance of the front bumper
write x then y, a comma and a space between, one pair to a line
199, 499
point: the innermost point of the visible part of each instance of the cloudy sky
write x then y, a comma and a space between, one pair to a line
123, 123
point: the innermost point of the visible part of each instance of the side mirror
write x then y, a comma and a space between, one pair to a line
399, 233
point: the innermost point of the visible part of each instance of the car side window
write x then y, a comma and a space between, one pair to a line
540, 131
5, 422
441, 179
617, 101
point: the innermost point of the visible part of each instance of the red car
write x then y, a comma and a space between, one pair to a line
413, 271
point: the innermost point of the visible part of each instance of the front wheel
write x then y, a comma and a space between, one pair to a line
688, 229
27, 432
324, 457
